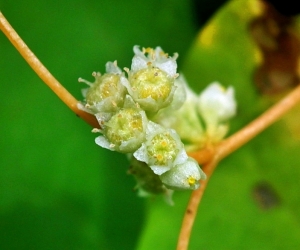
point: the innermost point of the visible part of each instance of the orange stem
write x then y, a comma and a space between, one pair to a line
203, 156
255, 127
225, 148
43, 73
191, 210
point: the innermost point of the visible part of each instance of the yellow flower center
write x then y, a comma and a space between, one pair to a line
123, 126
163, 149
191, 180
105, 86
151, 82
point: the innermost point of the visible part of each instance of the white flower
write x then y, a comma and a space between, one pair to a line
162, 149
156, 58
151, 78
180, 95
184, 120
216, 104
183, 176
125, 130
107, 93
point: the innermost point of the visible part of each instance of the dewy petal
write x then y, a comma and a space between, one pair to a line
139, 60
138, 52
159, 53
183, 176
108, 91
185, 120
103, 117
111, 67
159, 170
104, 143
163, 148
162, 61
158, 59
151, 79
180, 94
138, 63
217, 104
169, 66
141, 154
126, 129
181, 157
152, 127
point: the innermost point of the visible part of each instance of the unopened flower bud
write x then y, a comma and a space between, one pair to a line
216, 104
147, 180
183, 176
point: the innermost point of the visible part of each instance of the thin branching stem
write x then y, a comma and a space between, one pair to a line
211, 157
192, 208
203, 156
270, 116
43, 73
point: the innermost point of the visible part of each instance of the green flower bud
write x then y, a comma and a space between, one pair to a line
162, 149
125, 130
183, 176
147, 180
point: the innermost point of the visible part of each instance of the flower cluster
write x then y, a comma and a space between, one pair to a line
147, 111
202, 119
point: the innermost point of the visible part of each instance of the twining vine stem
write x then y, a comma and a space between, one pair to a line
208, 157
211, 157
43, 73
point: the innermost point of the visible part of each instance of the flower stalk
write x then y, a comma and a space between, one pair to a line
213, 156
43, 73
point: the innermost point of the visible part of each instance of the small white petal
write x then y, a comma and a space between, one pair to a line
169, 66
180, 94
111, 67
138, 63
139, 60
184, 176
137, 51
103, 117
104, 143
159, 170
217, 104
152, 128
181, 157
141, 154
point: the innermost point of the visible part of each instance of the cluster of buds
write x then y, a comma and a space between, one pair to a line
148, 111
203, 119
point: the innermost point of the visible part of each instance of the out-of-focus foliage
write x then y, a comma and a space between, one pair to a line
59, 190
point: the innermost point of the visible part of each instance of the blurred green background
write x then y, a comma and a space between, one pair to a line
59, 190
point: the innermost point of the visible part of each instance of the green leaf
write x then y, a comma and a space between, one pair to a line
233, 213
